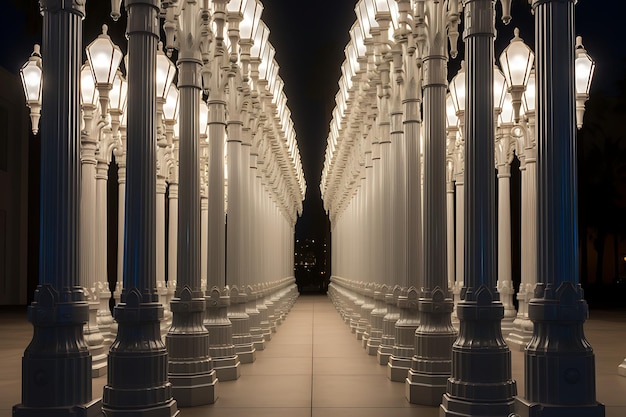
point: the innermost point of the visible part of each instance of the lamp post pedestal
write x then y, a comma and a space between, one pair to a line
388, 338
404, 346
221, 348
242, 339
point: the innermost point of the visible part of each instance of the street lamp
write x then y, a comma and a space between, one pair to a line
583, 68
517, 61
104, 59
31, 82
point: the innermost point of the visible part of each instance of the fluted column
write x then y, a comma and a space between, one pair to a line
172, 233
88, 240
191, 373
56, 379
138, 345
431, 364
406, 301
504, 157
242, 339
559, 361
204, 236
161, 188
221, 348
481, 382
522, 330
459, 231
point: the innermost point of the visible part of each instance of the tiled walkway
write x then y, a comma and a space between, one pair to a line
314, 366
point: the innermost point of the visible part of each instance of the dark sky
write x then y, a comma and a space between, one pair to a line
309, 37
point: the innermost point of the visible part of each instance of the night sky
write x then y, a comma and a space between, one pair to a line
309, 37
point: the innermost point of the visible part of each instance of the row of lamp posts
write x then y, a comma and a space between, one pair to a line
409, 181
231, 158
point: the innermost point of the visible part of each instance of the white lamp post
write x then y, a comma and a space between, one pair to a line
104, 59
584, 68
31, 74
517, 61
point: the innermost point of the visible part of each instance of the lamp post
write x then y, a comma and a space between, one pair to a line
165, 72
491, 390
242, 339
527, 152
31, 75
504, 151
57, 379
88, 220
139, 313
457, 100
191, 372
558, 310
225, 359
432, 362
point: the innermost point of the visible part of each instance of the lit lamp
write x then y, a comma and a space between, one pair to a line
165, 71
235, 10
170, 112
499, 90
530, 95
247, 30
204, 122
584, 68
457, 93
117, 100
104, 59
31, 82
88, 97
517, 61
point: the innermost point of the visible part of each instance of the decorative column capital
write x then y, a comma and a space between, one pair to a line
54, 6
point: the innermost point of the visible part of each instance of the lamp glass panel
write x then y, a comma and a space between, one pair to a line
31, 81
119, 92
457, 91
165, 71
251, 18
236, 6
88, 92
170, 108
507, 115
451, 118
203, 118
260, 41
499, 88
356, 34
583, 68
528, 99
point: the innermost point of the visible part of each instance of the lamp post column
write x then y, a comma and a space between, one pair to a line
242, 339
57, 379
559, 361
434, 336
172, 229
190, 370
481, 382
138, 344
459, 231
89, 223
504, 157
404, 329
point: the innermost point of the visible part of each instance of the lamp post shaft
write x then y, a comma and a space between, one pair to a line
487, 389
56, 366
138, 315
558, 310
431, 364
190, 369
